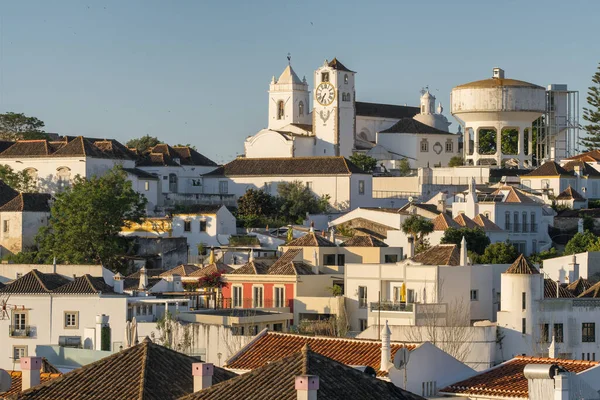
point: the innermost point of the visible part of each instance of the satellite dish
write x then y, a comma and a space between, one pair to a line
411, 199
401, 358
5, 381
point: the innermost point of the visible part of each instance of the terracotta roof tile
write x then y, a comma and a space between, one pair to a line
296, 166
36, 282
141, 174
570, 194
151, 272
585, 168
285, 265
363, 241
28, 202
277, 381
16, 384
549, 168
189, 156
85, 284
442, 254
550, 290
486, 223
507, 379
146, 371
29, 148
512, 195
465, 222
593, 156
579, 286
252, 268
336, 64
211, 269
311, 239
273, 346
443, 221
592, 292
6, 193
181, 270
522, 267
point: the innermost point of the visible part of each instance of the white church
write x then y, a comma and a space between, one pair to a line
338, 125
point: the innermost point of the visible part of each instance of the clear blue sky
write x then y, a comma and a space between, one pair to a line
197, 71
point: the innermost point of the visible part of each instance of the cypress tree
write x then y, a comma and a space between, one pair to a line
592, 115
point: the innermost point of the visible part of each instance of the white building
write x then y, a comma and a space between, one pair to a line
553, 179
21, 218
347, 186
568, 269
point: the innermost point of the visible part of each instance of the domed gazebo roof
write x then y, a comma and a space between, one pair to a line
497, 82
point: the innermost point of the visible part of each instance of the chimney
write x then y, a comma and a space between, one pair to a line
177, 285
552, 349
574, 267
30, 370
332, 235
118, 283
441, 206
463, 252
203, 375
386, 347
315, 262
143, 279
411, 247
307, 386
251, 256
561, 387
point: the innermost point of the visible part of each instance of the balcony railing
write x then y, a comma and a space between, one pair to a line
525, 228
534, 228
171, 199
252, 303
21, 331
517, 227
392, 306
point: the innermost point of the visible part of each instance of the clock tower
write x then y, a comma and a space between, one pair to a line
334, 114
288, 100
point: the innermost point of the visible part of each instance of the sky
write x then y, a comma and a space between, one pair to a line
197, 72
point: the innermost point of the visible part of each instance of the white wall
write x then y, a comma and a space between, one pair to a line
268, 143
9, 272
570, 268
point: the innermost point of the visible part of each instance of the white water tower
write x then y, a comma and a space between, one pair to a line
497, 104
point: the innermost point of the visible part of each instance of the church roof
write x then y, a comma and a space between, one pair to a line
391, 111
522, 267
296, 166
335, 64
289, 76
411, 125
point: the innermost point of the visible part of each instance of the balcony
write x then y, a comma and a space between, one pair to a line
534, 228
172, 199
225, 303
22, 331
391, 306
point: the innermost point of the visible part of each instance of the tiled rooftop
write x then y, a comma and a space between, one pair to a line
181, 270
36, 282
311, 239
363, 241
522, 266
296, 166
442, 254
507, 379
273, 346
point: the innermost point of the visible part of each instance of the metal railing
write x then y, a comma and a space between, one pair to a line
391, 306
170, 199
525, 228
21, 331
394, 194
516, 227
225, 303
534, 228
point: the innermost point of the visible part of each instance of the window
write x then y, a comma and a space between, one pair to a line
280, 109
71, 319
524, 326
545, 333
348, 97
202, 226
346, 79
328, 259
301, 108
19, 351
422, 109
449, 146
499, 300
223, 189
521, 247
343, 96
526, 183
545, 183
517, 227
341, 259
428, 389
18, 275
309, 185
558, 333
533, 224
525, 224
257, 296
397, 294
390, 258
187, 226
507, 221
474, 295
524, 300
237, 296
5, 226
361, 187
278, 327
362, 296
424, 146
172, 183
64, 177
410, 295
324, 76
487, 214
588, 332
363, 324
279, 297
534, 248
19, 320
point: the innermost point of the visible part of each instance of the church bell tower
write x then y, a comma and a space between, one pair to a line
288, 100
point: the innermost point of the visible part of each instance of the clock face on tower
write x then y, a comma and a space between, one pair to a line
325, 93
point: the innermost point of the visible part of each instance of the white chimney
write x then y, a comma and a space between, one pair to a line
30, 370
573, 266
203, 375
118, 283
332, 235
498, 73
386, 348
315, 262
177, 285
411, 247
307, 387
463, 253
143, 279
251, 256
561, 387
552, 349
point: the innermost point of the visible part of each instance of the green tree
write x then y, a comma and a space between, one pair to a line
143, 144
581, 243
498, 253
592, 115
15, 126
363, 161
296, 200
476, 239
186, 145
456, 161
417, 227
257, 203
86, 219
404, 167
544, 255
20, 181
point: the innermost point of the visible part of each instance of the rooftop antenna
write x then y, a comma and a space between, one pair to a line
289, 57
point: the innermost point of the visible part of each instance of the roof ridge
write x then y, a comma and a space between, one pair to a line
39, 279
145, 356
89, 282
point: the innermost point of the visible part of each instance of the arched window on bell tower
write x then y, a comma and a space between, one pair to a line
301, 108
280, 109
